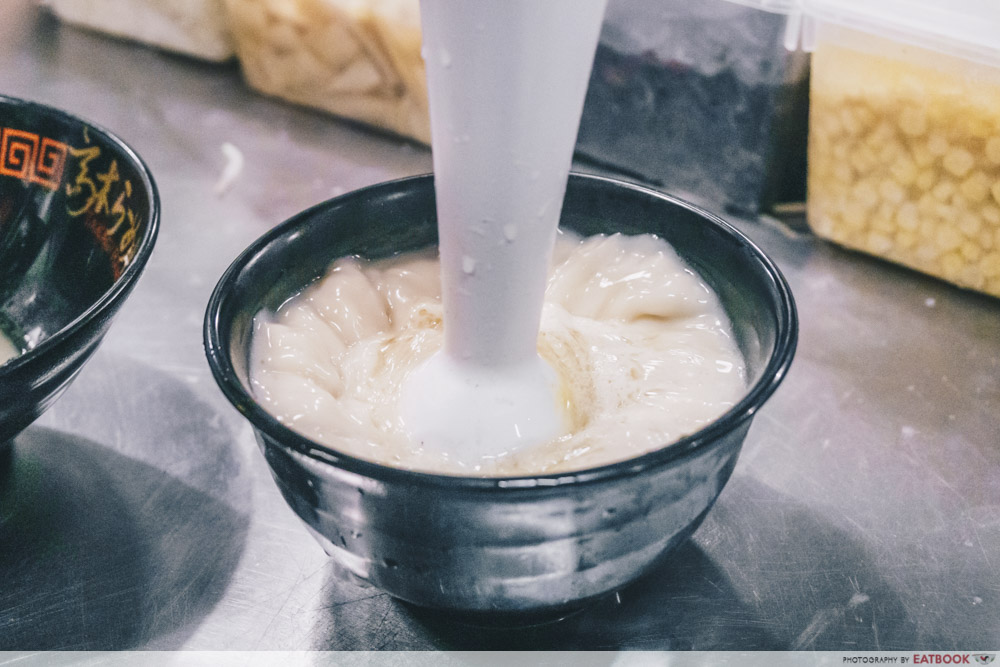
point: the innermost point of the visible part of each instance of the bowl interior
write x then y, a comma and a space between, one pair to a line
400, 216
77, 219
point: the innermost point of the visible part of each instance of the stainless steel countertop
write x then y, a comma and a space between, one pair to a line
864, 512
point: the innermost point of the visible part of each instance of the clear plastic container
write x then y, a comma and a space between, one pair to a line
358, 59
702, 99
904, 140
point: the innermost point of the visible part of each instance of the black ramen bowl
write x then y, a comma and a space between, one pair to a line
78, 218
497, 548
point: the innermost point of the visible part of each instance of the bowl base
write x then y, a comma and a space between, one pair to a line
499, 620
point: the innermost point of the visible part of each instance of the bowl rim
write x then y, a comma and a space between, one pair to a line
131, 273
225, 375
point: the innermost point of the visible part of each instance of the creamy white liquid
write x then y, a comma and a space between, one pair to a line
506, 83
641, 348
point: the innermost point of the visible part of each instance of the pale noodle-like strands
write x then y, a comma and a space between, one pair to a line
642, 347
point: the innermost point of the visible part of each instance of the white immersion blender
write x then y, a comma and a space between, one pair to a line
507, 81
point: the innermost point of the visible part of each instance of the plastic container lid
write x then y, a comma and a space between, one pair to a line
966, 28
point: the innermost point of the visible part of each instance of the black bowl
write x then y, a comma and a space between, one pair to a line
501, 546
78, 218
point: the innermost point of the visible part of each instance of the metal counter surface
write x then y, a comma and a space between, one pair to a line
864, 512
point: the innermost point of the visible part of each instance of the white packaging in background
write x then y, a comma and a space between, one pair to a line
195, 28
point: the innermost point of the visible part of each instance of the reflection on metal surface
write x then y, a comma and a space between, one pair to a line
101, 551
124, 538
